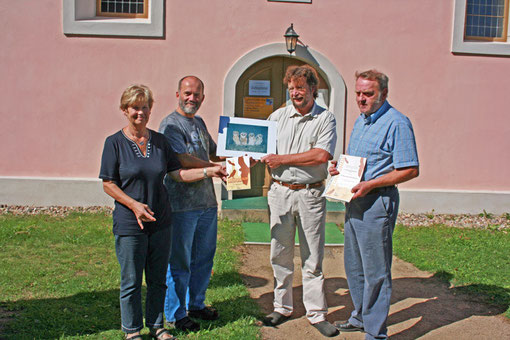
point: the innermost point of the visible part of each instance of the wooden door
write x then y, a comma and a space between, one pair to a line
271, 69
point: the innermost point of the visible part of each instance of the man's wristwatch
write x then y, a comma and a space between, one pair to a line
205, 173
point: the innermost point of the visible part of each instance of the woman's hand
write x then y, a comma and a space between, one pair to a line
197, 174
142, 212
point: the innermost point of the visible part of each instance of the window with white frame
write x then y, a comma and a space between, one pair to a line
486, 20
122, 8
137, 18
481, 27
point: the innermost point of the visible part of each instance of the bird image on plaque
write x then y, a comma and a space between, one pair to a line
246, 137
238, 173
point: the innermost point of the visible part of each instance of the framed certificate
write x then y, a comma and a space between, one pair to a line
243, 136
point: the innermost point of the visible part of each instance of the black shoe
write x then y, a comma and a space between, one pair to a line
326, 328
275, 319
187, 325
206, 313
346, 326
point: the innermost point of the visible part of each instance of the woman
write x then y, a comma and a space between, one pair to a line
134, 163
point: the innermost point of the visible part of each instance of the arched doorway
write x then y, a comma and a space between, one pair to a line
271, 71
269, 63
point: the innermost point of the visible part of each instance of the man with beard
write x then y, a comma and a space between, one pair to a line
194, 211
305, 142
385, 137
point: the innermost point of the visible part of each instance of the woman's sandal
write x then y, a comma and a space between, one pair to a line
159, 334
134, 337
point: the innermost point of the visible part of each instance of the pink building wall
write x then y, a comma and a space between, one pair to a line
60, 94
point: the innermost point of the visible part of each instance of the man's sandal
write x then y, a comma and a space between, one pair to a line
159, 334
134, 337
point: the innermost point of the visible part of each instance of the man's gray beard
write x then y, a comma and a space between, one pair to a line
188, 110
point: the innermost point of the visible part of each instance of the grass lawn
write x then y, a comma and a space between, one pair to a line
475, 261
59, 279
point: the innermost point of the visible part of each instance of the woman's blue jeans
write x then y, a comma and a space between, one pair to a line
136, 253
191, 260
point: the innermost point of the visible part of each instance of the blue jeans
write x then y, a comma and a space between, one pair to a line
171, 299
135, 254
369, 225
191, 260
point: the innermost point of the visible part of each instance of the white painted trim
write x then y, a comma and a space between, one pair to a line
37, 191
79, 19
47, 191
473, 47
329, 71
38, 178
454, 201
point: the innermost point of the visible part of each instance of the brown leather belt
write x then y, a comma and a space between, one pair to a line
299, 186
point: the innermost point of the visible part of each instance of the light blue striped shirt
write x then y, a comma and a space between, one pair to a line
386, 139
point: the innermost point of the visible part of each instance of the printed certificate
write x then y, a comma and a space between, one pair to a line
238, 173
350, 170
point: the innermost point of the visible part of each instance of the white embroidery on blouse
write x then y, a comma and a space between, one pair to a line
136, 148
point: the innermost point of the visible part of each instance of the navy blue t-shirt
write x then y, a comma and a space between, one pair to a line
140, 177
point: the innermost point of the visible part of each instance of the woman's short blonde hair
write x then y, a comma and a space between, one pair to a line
136, 93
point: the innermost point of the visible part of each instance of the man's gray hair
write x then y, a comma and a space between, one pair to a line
380, 77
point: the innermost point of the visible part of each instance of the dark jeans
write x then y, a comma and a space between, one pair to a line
136, 253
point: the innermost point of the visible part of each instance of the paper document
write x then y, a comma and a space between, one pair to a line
350, 170
238, 173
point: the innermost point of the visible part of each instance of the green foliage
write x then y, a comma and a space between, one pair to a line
430, 215
476, 259
59, 279
486, 214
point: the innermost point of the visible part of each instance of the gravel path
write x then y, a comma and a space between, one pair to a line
483, 220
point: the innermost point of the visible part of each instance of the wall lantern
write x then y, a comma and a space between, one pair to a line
291, 39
